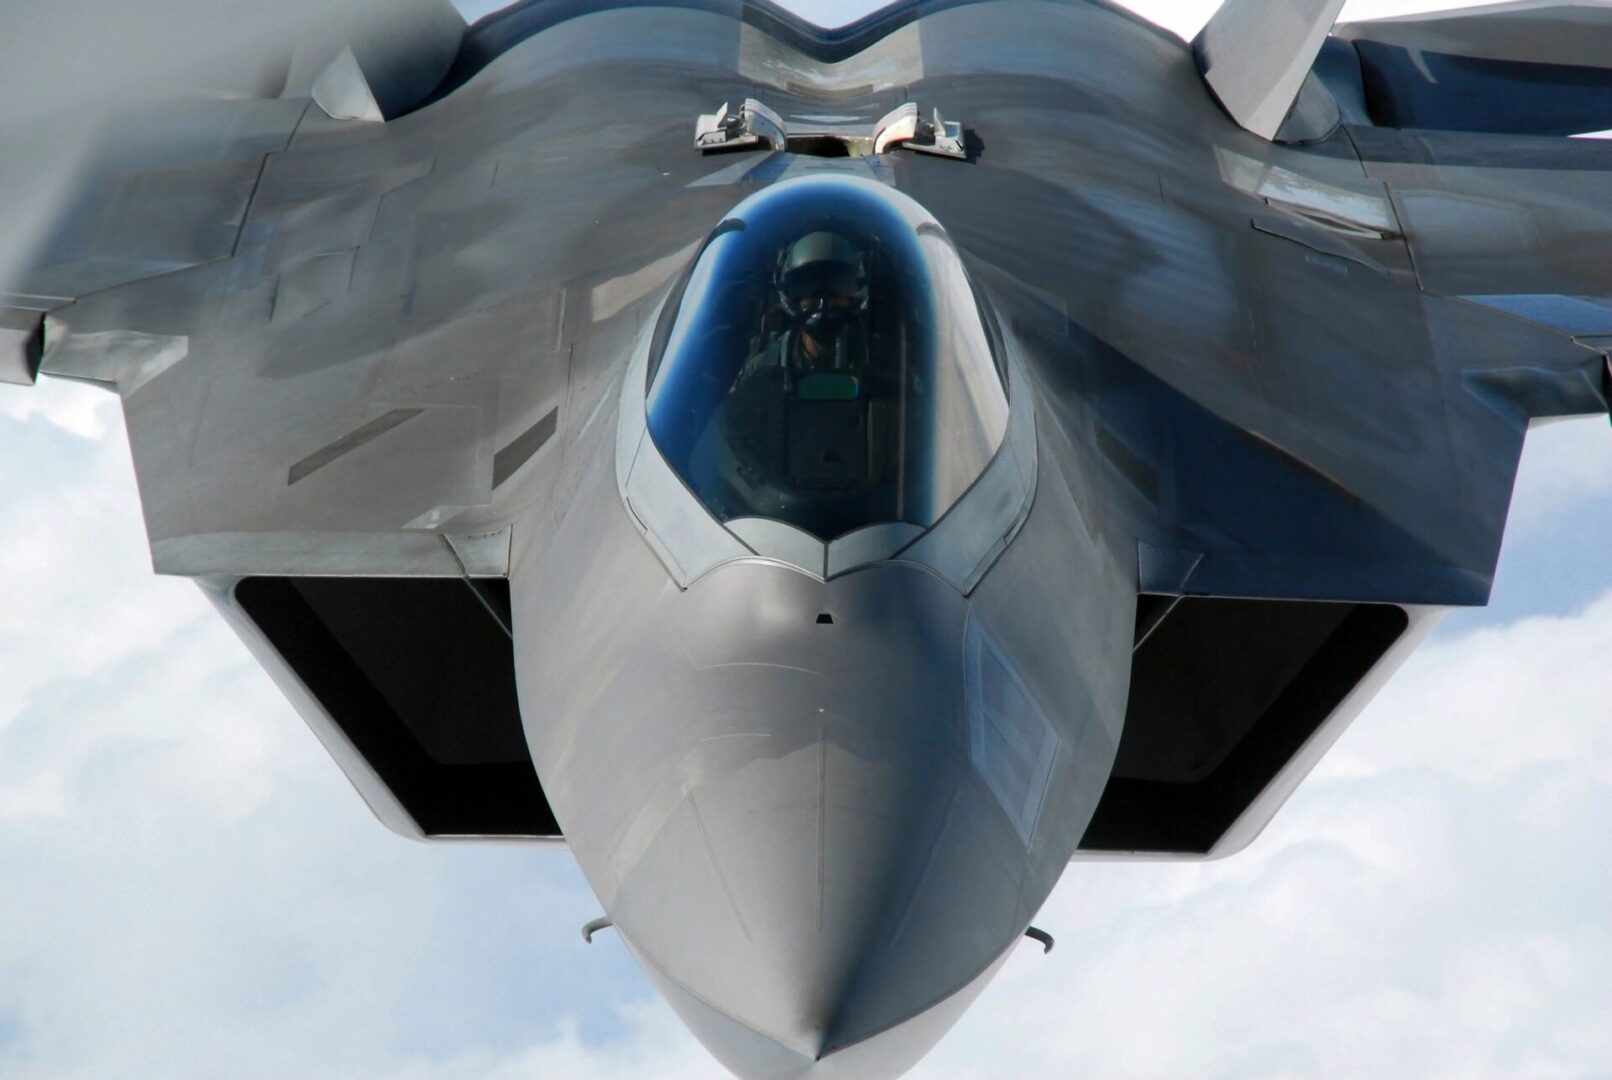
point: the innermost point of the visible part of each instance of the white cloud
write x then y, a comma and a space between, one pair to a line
656, 1047
78, 589
77, 407
1568, 464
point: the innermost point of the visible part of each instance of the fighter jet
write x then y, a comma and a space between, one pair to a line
828, 480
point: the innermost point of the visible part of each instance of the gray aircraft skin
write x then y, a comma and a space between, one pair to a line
1186, 389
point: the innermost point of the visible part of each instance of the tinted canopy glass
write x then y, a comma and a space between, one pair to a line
827, 365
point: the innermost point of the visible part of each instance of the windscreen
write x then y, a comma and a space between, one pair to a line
828, 366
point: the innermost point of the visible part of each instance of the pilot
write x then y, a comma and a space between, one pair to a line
809, 366
797, 411
819, 286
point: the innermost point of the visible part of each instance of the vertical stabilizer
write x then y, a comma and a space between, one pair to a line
396, 55
1255, 54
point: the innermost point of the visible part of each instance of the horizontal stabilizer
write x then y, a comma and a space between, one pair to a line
1539, 67
1256, 54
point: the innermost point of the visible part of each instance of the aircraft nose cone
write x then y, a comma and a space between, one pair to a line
821, 881
819, 837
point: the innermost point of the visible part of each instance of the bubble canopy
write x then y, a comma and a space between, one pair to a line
827, 364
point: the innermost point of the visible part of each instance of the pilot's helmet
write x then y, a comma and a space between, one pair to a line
821, 272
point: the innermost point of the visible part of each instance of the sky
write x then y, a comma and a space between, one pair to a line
189, 888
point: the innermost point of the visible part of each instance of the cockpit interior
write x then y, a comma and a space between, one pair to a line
826, 364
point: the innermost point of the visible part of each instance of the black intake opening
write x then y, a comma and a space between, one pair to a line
1223, 693
420, 674
817, 146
